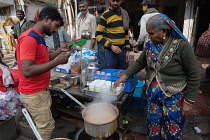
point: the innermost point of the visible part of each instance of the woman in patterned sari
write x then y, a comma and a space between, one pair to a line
173, 81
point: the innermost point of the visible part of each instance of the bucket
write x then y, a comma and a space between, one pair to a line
138, 89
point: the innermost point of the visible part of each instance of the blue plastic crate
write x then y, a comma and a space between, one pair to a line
130, 84
135, 105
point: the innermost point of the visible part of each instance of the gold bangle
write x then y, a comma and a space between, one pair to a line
187, 102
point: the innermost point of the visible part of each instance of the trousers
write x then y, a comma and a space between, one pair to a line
38, 105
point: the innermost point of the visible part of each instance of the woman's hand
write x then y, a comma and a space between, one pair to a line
186, 108
122, 79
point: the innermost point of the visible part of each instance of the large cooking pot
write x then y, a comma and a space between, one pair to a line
100, 119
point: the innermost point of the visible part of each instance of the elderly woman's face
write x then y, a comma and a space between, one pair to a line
155, 36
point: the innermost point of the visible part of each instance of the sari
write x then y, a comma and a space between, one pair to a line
164, 114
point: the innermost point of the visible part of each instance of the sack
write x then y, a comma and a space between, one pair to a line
75, 69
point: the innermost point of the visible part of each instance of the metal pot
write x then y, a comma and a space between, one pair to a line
73, 79
86, 35
102, 129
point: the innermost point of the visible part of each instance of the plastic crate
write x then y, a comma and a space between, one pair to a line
130, 84
135, 105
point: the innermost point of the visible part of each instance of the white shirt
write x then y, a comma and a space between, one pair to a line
86, 23
22, 21
143, 35
63, 36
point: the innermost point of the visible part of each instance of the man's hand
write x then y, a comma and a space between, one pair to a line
127, 56
64, 48
116, 49
62, 58
1, 54
50, 50
186, 109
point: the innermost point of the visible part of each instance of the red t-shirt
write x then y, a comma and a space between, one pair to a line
31, 46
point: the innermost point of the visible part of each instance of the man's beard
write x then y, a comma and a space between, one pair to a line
115, 7
47, 30
83, 12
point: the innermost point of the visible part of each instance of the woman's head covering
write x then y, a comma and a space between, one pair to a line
154, 49
175, 30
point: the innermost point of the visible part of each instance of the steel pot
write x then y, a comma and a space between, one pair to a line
106, 127
73, 79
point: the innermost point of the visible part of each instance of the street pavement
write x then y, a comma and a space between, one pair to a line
199, 117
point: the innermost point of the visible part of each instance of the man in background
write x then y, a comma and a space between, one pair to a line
112, 35
22, 25
100, 10
86, 21
149, 11
58, 39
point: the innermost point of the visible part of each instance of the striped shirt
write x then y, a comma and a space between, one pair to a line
110, 30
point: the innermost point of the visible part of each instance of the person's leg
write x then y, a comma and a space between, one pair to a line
172, 118
121, 60
165, 121
110, 59
154, 113
38, 105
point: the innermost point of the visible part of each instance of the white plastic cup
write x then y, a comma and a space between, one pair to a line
98, 72
91, 87
108, 74
103, 73
97, 88
104, 89
118, 90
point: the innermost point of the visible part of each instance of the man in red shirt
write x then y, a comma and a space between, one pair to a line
34, 65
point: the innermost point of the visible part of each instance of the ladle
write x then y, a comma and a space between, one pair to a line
27, 116
69, 95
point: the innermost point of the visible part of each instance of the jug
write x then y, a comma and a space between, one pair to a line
91, 70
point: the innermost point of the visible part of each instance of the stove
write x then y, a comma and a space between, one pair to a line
82, 135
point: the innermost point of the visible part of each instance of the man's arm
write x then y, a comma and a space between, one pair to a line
15, 30
54, 54
93, 30
143, 31
27, 53
30, 69
66, 37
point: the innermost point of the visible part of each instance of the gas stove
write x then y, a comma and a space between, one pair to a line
82, 135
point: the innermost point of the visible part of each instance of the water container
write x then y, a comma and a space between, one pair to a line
138, 89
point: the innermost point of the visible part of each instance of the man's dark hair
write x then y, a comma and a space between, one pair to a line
101, 9
52, 13
20, 11
149, 3
83, 2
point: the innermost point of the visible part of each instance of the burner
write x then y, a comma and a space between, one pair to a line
82, 135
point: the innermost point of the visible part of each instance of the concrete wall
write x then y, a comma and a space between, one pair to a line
31, 10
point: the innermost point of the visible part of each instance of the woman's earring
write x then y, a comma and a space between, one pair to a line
164, 36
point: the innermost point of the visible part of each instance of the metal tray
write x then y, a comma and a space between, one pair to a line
111, 97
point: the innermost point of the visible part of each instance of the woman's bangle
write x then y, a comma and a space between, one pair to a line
189, 102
